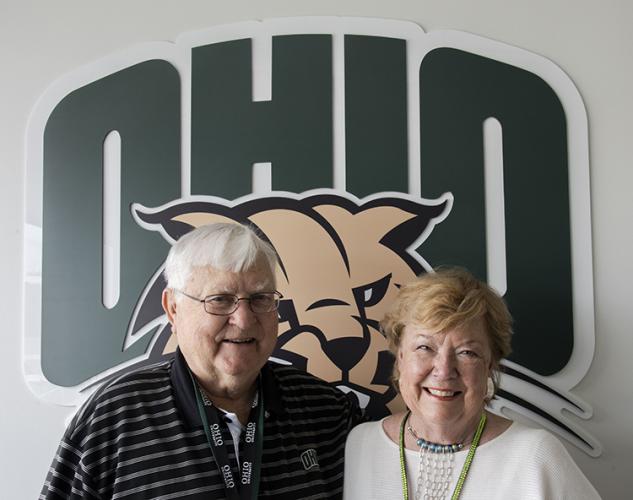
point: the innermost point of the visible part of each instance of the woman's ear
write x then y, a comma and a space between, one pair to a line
490, 389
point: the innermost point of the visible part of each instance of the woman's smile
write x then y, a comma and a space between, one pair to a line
442, 394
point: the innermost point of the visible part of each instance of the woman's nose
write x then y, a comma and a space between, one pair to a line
444, 365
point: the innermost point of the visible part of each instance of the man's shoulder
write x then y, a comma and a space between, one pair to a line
298, 385
289, 376
141, 378
123, 391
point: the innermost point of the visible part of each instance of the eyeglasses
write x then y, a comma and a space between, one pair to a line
223, 304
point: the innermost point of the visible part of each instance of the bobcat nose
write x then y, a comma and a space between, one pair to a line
346, 352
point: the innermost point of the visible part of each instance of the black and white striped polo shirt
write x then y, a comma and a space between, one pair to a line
140, 436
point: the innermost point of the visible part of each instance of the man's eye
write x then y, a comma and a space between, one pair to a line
261, 299
220, 300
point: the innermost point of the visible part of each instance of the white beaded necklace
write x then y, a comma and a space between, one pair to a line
436, 464
435, 469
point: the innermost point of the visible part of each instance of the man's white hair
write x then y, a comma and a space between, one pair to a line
222, 246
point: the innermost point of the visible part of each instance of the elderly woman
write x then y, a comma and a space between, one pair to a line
448, 333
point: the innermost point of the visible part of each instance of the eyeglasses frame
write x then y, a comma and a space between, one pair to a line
237, 302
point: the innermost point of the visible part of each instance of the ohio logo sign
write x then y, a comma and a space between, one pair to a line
366, 151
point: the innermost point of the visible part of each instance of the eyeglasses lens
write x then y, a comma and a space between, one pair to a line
227, 304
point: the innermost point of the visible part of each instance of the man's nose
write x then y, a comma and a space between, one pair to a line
243, 317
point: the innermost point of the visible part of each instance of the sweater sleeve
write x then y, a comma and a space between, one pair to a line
559, 475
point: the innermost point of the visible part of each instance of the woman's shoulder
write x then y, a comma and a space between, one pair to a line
540, 444
373, 436
541, 460
543, 443
495, 427
534, 436
366, 430
368, 436
510, 431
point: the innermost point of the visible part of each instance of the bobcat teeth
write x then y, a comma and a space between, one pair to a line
443, 394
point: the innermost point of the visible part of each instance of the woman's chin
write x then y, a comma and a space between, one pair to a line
441, 413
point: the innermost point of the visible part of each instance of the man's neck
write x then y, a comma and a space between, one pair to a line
236, 399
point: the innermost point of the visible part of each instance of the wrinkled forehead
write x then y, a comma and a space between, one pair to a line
209, 280
470, 330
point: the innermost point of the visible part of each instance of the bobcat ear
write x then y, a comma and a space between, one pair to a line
174, 220
376, 220
424, 216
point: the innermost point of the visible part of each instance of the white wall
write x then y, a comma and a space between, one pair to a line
40, 40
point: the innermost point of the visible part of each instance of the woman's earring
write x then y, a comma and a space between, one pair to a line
490, 389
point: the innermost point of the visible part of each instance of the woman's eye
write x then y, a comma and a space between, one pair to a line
469, 354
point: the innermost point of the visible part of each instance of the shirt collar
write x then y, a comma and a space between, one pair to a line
186, 398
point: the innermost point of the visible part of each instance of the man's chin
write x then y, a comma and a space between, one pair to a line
245, 366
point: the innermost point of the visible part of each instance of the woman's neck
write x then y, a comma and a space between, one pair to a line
443, 433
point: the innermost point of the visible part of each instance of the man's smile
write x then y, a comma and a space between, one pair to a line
248, 340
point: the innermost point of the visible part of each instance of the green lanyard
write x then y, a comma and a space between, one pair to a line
465, 468
247, 486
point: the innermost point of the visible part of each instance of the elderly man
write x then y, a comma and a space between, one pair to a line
217, 420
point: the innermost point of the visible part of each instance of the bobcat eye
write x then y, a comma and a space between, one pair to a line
372, 293
286, 311
326, 303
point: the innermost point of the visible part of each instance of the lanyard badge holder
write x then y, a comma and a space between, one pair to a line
247, 485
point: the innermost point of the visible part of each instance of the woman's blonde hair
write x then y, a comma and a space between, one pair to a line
446, 299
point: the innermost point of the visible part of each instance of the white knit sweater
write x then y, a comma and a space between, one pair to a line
521, 463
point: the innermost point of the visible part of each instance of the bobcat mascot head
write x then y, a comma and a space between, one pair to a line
340, 263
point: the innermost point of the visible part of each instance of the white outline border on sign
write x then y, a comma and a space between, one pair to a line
419, 44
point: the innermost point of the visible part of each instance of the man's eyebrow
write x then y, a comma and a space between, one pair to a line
231, 289
221, 291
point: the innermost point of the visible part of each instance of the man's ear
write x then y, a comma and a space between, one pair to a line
168, 302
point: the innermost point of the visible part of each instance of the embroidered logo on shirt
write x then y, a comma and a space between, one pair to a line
309, 459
